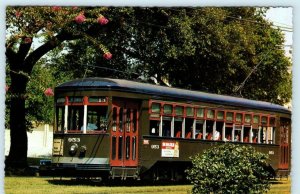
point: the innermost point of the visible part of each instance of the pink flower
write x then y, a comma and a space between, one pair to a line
27, 40
49, 92
80, 19
102, 20
6, 88
56, 8
107, 55
18, 14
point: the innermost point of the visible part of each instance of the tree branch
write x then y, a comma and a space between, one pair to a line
45, 48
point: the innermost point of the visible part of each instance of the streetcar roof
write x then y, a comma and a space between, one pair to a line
96, 83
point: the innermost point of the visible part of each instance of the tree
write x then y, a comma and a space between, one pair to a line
229, 168
51, 26
206, 49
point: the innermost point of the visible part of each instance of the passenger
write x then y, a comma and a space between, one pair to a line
209, 136
90, 126
237, 138
217, 135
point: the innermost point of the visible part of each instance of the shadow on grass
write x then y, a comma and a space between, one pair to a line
111, 183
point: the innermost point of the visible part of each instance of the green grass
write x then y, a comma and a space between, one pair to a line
38, 185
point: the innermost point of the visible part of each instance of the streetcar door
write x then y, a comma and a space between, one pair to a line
284, 143
124, 134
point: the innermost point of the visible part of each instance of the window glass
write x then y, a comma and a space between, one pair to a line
75, 99
264, 120
121, 119
220, 115
167, 109
97, 118
238, 117
128, 120
179, 110
60, 100
114, 124
210, 114
134, 120
120, 146
75, 117
200, 112
272, 121
133, 148
256, 119
247, 118
114, 147
155, 108
229, 116
97, 99
60, 118
190, 111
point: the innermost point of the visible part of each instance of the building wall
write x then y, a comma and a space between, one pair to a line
39, 141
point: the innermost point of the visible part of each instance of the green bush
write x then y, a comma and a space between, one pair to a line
229, 168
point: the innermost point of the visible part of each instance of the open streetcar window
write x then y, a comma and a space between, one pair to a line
60, 121
96, 118
75, 118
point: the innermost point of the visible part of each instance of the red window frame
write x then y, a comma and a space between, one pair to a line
206, 111
224, 115
227, 121
242, 119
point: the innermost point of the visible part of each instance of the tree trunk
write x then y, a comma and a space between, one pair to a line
17, 158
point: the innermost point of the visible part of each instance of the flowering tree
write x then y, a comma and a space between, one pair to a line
31, 33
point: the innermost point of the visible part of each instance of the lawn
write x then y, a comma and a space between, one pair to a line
37, 185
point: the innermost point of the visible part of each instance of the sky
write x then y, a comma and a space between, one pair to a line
283, 18
280, 16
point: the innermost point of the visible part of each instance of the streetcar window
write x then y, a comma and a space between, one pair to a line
272, 121
168, 109
120, 146
220, 115
189, 111
75, 117
179, 110
263, 135
121, 119
127, 147
76, 99
219, 131
247, 134
60, 120
154, 127
94, 99
229, 116
155, 108
228, 133
97, 118
60, 100
264, 120
166, 127
210, 114
133, 148
114, 123
238, 117
247, 118
256, 119
113, 147
134, 120
209, 130
199, 129
200, 112
271, 135
255, 135
178, 127
188, 127
128, 120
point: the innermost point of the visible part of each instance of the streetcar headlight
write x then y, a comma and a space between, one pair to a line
73, 149
82, 151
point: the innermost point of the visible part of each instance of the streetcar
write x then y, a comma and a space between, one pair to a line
121, 129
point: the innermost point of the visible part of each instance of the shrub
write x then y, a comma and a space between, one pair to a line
229, 168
